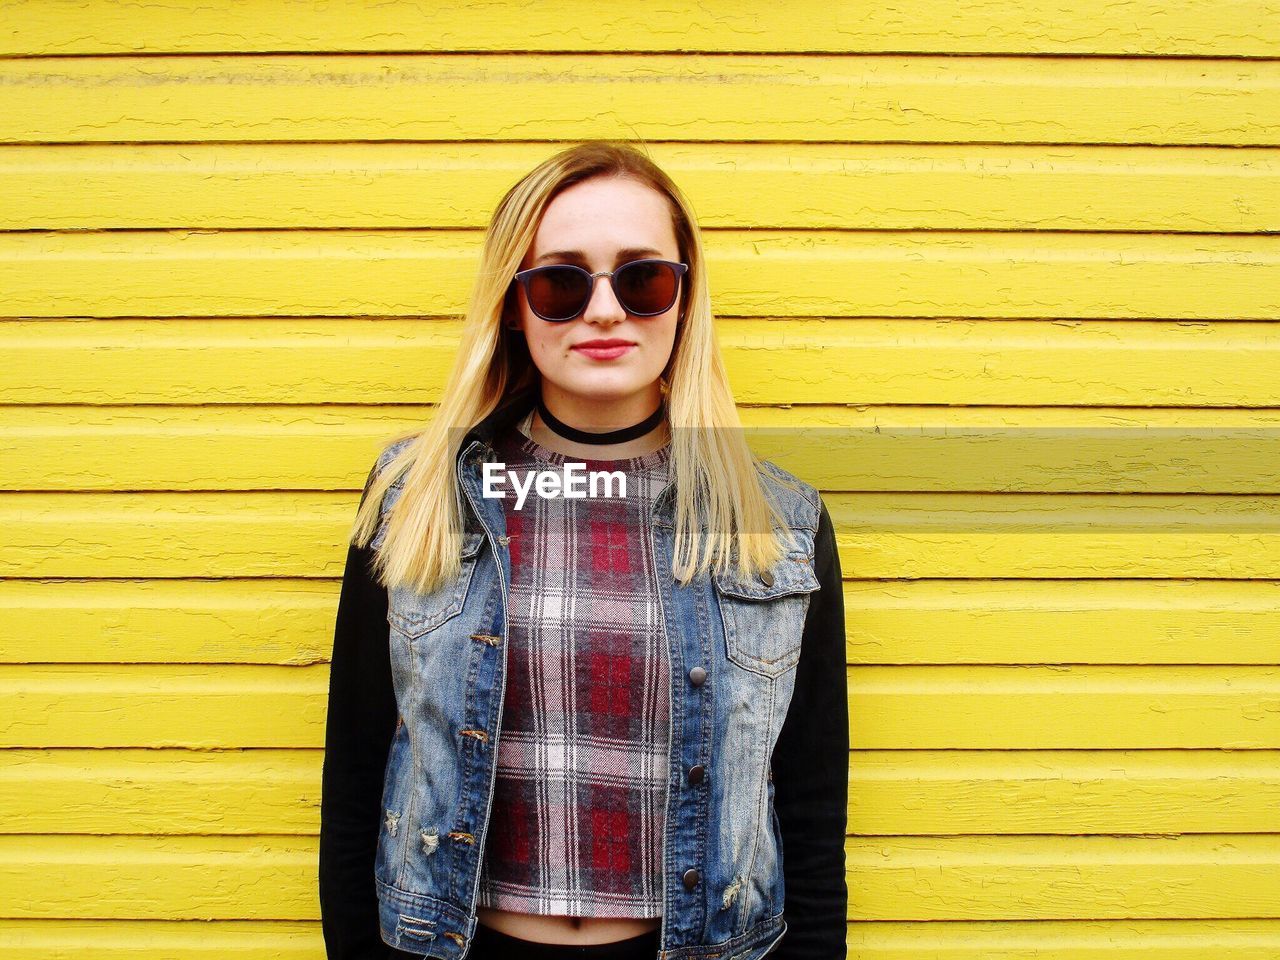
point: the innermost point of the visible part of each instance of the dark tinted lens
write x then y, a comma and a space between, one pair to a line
645, 287
559, 292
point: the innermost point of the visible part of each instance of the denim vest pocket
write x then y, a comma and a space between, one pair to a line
764, 615
415, 614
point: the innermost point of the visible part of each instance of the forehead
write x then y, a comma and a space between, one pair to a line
605, 214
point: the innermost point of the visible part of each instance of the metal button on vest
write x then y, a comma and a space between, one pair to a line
697, 676
504, 540
696, 773
766, 578
691, 878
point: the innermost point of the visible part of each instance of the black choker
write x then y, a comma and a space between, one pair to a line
612, 436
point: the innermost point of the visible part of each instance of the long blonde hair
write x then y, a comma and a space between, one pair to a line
717, 483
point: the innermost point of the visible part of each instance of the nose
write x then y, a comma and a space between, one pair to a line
603, 306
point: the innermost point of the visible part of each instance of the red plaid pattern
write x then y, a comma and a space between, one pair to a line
577, 821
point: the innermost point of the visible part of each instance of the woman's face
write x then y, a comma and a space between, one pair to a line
600, 224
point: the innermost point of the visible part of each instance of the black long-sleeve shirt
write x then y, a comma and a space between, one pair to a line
810, 769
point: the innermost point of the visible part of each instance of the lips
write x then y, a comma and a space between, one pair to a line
603, 349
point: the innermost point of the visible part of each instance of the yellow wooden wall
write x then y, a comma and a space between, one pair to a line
1034, 244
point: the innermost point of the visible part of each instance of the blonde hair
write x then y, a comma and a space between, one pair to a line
717, 483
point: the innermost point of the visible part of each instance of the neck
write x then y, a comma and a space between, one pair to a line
600, 416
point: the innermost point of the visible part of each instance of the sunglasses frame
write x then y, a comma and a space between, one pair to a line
524, 276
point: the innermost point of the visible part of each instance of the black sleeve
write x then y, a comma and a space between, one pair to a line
361, 722
811, 773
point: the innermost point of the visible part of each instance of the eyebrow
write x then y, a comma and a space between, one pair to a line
631, 253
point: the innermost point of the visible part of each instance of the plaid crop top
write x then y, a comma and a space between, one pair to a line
577, 820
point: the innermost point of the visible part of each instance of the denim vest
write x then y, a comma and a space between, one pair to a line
733, 645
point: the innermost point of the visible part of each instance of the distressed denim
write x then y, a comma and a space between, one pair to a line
722, 851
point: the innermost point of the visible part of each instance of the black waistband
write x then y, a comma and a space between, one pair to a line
641, 947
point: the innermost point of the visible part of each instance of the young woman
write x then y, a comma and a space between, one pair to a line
597, 726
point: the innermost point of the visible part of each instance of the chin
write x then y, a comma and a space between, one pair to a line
605, 387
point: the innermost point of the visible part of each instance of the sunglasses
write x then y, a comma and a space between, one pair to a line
560, 292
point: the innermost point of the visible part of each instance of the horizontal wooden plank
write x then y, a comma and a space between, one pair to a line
770, 361
836, 186
321, 447
290, 621
60, 937
177, 361
1061, 621
937, 792
199, 707
159, 878
227, 792
55, 939
900, 99
285, 534
1064, 940
757, 273
833, 447
876, 940
893, 878
1090, 536
1232, 28
891, 792
283, 621
1050, 878
879, 535
1062, 707
890, 708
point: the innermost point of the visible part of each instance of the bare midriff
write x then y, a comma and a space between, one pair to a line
578, 930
